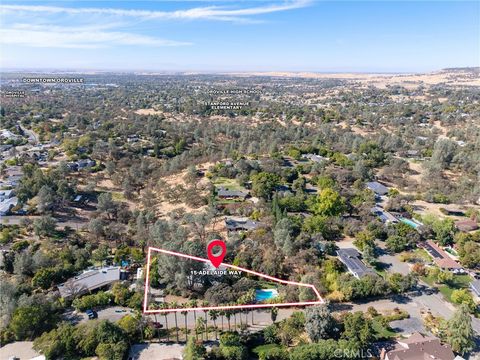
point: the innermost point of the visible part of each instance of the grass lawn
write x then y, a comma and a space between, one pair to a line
228, 183
381, 270
459, 282
423, 254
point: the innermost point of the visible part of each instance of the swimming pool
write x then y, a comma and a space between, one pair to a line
412, 223
265, 294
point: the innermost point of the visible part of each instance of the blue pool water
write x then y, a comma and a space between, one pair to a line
410, 223
265, 294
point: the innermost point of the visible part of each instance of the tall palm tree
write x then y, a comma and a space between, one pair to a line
234, 318
214, 315
185, 314
205, 304
273, 314
228, 315
201, 325
193, 304
222, 314
165, 314
251, 299
155, 307
175, 305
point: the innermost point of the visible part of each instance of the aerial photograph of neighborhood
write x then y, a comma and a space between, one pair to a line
239, 180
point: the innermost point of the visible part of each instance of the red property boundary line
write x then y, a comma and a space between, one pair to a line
226, 307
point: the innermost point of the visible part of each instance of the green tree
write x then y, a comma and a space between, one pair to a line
44, 278
328, 203
319, 322
131, 325
231, 347
30, 321
58, 343
194, 350
460, 333
263, 184
358, 328
463, 297
363, 239
396, 243
44, 226
112, 351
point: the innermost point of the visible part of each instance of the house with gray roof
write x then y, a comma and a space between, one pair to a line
89, 280
7, 204
240, 224
384, 215
377, 188
351, 259
314, 157
228, 194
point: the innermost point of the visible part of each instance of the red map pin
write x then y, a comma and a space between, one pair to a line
216, 260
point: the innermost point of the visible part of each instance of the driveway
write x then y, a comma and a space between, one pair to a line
392, 261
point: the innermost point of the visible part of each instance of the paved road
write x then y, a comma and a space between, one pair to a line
16, 220
32, 136
415, 305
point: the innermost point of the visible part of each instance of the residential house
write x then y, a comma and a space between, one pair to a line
384, 215
81, 164
90, 280
377, 188
440, 257
351, 259
7, 202
466, 225
419, 347
6, 194
227, 194
240, 224
314, 157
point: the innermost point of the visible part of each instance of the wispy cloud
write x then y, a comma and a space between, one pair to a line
208, 13
77, 27
76, 37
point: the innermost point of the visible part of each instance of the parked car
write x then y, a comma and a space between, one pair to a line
91, 314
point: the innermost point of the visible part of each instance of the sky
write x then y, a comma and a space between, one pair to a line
231, 36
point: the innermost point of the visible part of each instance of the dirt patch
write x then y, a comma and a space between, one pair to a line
148, 112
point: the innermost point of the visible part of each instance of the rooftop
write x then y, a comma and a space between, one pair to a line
419, 347
440, 257
377, 188
89, 280
225, 192
234, 224
351, 258
466, 225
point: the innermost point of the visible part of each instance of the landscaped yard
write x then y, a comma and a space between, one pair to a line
231, 184
459, 282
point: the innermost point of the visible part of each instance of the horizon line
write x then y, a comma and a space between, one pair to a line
226, 72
